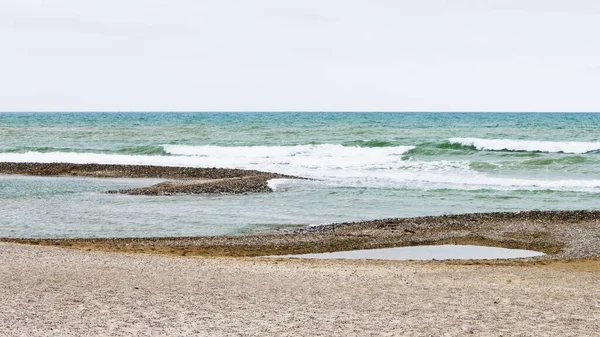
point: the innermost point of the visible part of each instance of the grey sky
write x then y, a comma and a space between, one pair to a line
223, 55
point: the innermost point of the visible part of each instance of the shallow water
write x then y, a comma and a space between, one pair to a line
78, 207
441, 252
365, 166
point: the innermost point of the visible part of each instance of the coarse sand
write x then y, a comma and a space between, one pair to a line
50, 291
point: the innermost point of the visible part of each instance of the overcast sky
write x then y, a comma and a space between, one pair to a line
309, 55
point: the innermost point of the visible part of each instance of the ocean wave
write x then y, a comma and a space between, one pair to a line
444, 148
330, 165
527, 145
146, 150
99, 158
143, 149
469, 181
322, 152
370, 143
299, 159
326, 162
480, 181
573, 160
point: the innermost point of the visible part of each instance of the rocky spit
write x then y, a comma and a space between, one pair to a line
238, 185
187, 180
562, 235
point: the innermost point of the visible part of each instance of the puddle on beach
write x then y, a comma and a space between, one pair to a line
438, 252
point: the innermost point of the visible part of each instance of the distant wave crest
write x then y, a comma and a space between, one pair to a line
321, 151
133, 150
527, 145
370, 143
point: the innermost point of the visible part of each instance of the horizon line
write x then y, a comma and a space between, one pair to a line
283, 111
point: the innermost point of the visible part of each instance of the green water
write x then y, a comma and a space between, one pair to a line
366, 166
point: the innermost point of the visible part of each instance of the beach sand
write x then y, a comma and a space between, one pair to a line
49, 291
215, 286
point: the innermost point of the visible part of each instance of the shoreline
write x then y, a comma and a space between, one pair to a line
562, 235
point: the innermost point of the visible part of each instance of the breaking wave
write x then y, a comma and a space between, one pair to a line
527, 145
330, 165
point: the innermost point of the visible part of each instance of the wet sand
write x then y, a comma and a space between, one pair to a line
563, 236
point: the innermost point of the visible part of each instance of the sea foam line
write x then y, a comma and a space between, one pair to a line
527, 145
100, 158
305, 158
319, 151
388, 171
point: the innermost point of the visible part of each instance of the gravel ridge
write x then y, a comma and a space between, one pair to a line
562, 235
189, 180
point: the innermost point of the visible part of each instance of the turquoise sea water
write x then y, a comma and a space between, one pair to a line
366, 166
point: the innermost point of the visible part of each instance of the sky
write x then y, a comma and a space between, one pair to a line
309, 55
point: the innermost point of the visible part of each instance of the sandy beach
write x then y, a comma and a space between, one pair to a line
220, 285
299, 168
47, 291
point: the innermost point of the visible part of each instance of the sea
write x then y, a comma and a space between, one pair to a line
362, 165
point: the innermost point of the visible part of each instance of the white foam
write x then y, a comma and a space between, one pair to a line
453, 179
324, 154
99, 158
333, 165
480, 181
527, 145
279, 184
